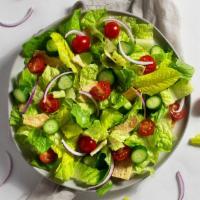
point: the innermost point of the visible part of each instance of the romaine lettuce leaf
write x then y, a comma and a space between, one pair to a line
96, 131
65, 170
110, 117
168, 96
134, 140
65, 53
161, 113
15, 117
38, 95
157, 81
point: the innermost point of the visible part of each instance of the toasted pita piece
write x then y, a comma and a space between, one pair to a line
36, 121
123, 170
128, 125
130, 94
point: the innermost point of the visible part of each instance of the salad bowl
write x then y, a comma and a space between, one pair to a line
178, 129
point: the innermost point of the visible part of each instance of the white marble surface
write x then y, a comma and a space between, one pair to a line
162, 185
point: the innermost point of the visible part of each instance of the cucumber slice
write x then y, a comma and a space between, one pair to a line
154, 102
20, 95
86, 58
127, 47
65, 82
106, 75
51, 126
156, 49
139, 155
51, 47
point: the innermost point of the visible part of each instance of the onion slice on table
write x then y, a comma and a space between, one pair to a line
143, 101
99, 147
70, 150
87, 94
26, 17
181, 186
106, 178
51, 83
6, 160
30, 99
76, 32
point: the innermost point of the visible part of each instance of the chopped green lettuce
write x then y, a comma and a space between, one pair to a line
195, 140
134, 140
15, 117
38, 95
157, 81
104, 189
168, 96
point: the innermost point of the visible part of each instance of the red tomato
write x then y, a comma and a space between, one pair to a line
81, 43
175, 116
101, 91
86, 144
111, 30
146, 128
121, 154
151, 67
37, 64
50, 105
48, 156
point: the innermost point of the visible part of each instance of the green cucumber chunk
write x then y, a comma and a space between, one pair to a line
65, 82
154, 102
106, 75
51, 126
139, 155
50, 46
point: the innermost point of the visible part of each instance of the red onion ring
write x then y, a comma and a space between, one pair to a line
26, 17
70, 150
51, 82
143, 101
30, 99
181, 106
87, 94
9, 168
106, 178
181, 186
76, 32
99, 147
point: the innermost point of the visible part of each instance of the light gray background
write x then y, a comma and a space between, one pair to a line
162, 185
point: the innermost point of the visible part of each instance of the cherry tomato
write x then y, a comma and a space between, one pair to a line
48, 157
111, 30
151, 67
50, 105
37, 64
101, 91
146, 128
81, 43
121, 154
86, 144
175, 116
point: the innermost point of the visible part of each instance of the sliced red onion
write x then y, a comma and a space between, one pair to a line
87, 94
76, 32
106, 178
9, 167
27, 15
70, 150
143, 101
30, 99
99, 147
181, 106
181, 186
51, 82
130, 59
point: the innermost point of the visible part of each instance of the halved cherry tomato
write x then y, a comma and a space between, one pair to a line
86, 144
146, 128
111, 30
81, 43
101, 91
122, 154
48, 157
50, 105
175, 116
151, 67
37, 64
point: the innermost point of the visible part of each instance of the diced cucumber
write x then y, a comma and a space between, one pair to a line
139, 155
106, 75
127, 105
86, 58
51, 126
51, 47
20, 95
156, 49
154, 102
127, 48
65, 82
